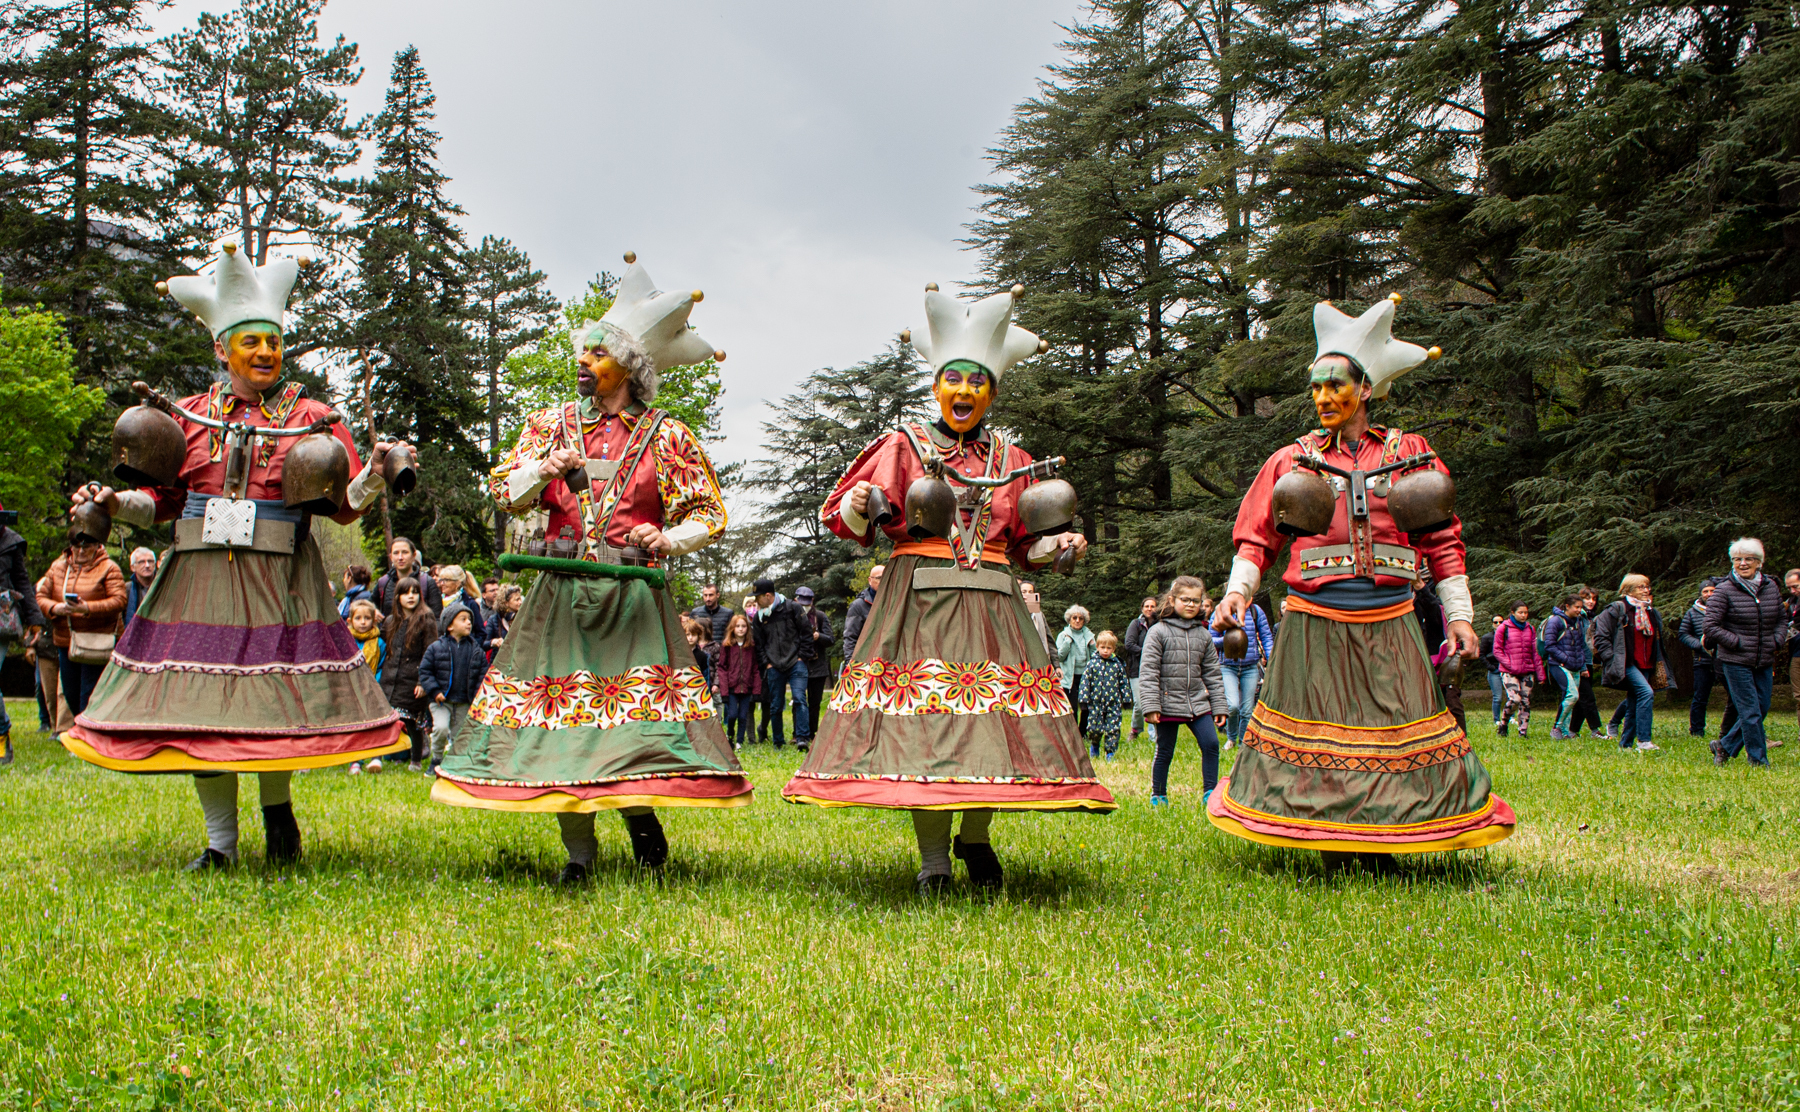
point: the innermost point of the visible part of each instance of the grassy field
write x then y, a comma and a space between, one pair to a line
1633, 946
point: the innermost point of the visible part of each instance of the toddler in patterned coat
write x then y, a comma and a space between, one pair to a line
1104, 693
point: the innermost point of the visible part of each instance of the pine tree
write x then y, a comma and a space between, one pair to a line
509, 307
263, 125
408, 319
87, 201
817, 433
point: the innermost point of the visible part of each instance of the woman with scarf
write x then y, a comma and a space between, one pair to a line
1628, 649
951, 701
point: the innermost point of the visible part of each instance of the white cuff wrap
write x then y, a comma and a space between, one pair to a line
365, 488
689, 536
1245, 578
858, 523
524, 485
1459, 605
136, 508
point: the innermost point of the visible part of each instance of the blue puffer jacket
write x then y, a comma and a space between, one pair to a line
453, 668
1564, 643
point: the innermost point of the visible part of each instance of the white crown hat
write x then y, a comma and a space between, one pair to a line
981, 332
657, 320
236, 291
1369, 341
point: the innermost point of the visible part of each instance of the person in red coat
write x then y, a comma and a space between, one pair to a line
237, 660
1351, 747
950, 701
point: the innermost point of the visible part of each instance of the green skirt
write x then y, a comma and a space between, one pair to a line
593, 702
1351, 748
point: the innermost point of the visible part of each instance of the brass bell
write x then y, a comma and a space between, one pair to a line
1304, 504
1048, 508
315, 475
401, 469
148, 447
89, 522
1422, 501
1234, 643
1450, 672
930, 508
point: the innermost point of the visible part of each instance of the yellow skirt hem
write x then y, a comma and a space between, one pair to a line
1469, 839
174, 760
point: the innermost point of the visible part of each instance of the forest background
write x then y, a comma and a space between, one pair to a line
1593, 208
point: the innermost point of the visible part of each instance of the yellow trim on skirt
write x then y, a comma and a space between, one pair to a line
446, 791
1470, 839
174, 760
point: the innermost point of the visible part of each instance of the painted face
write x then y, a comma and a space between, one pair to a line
1336, 394
252, 353
599, 374
964, 390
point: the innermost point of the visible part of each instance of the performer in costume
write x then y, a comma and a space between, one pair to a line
595, 701
951, 702
237, 660
1350, 747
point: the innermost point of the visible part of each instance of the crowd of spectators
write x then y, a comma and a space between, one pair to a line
428, 632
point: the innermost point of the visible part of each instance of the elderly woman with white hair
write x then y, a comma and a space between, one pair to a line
1744, 620
1074, 648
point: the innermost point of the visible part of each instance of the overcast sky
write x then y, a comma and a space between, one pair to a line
808, 164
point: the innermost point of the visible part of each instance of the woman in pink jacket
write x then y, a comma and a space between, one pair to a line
1521, 669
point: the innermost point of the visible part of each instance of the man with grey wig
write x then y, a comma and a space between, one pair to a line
1744, 619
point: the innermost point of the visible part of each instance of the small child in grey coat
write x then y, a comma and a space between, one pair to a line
1179, 682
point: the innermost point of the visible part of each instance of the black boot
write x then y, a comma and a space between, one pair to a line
209, 861
983, 864
281, 834
648, 846
936, 884
573, 874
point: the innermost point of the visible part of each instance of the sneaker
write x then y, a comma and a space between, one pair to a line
356, 768
373, 766
1522, 733
1109, 754
1226, 746
1159, 801
1500, 729
1093, 751
412, 766
1719, 756
1206, 795
1647, 746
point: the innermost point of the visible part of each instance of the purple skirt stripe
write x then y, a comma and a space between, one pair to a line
148, 644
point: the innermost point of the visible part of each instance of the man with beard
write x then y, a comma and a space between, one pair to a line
595, 702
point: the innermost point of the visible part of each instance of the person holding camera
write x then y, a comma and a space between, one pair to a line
84, 595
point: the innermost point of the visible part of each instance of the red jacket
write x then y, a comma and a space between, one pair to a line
204, 474
735, 671
1335, 555
891, 464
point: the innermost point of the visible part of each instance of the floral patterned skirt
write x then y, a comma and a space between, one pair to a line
949, 703
594, 702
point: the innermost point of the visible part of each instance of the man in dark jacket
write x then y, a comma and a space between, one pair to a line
1745, 622
1132, 649
816, 651
712, 614
781, 632
1692, 633
859, 611
16, 584
403, 563
143, 573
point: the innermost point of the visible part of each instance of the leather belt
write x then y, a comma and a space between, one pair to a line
956, 579
277, 537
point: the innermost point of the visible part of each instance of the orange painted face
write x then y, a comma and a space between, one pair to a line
252, 353
599, 373
964, 391
1337, 396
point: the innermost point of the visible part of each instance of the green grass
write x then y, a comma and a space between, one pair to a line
1633, 946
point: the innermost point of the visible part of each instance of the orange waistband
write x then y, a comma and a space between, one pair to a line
940, 550
1298, 601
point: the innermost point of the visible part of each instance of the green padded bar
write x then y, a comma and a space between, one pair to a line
514, 561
